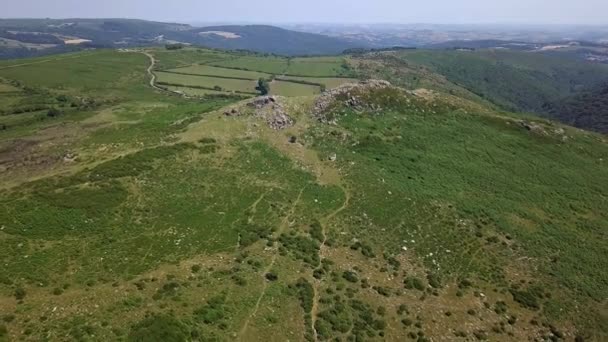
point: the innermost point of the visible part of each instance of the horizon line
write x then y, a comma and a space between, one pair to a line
337, 23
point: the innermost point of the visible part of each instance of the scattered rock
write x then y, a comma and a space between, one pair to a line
293, 139
333, 157
279, 121
262, 101
70, 157
532, 127
269, 108
329, 97
232, 112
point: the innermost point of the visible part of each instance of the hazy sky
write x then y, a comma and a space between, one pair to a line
321, 11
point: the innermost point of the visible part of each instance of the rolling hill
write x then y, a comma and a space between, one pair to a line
411, 210
32, 37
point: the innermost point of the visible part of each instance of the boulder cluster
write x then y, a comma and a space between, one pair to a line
270, 109
349, 90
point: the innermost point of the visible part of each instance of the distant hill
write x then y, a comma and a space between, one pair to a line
34, 37
269, 39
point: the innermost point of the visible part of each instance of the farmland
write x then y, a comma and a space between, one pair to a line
269, 65
245, 86
202, 72
206, 70
129, 212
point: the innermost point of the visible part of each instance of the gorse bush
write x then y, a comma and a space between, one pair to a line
159, 328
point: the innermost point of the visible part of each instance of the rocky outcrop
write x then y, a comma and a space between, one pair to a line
346, 93
270, 109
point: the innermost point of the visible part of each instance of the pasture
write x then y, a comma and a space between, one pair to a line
293, 89
269, 65
207, 70
216, 73
329, 82
319, 67
222, 84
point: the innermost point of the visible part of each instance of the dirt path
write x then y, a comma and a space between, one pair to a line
151, 72
315, 303
284, 224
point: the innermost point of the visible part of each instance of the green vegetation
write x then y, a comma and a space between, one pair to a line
263, 87
159, 328
514, 80
319, 67
141, 214
207, 70
204, 82
268, 65
293, 89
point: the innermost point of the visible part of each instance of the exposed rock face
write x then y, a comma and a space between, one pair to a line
348, 90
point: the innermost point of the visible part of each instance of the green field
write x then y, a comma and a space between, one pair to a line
185, 57
131, 213
270, 65
226, 84
86, 71
207, 70
329, 82
237, 70
293, 89
319, 66
7, 88
195, 91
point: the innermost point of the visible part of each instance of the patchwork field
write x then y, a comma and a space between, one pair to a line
329, 82
170, 59
270, 65
216, 73
319, 66
224, 84
207, 70
378, 214
195, 91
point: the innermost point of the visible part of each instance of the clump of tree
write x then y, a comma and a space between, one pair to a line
174, 46
159, 328
263, 86
53, 112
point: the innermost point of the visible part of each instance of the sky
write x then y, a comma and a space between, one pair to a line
592, 12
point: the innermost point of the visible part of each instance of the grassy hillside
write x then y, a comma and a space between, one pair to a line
375, 213
521, 81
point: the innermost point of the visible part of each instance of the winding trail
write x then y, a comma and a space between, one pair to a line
324, 222
151, 72
282, 227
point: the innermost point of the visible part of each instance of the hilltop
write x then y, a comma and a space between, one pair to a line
383, 196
